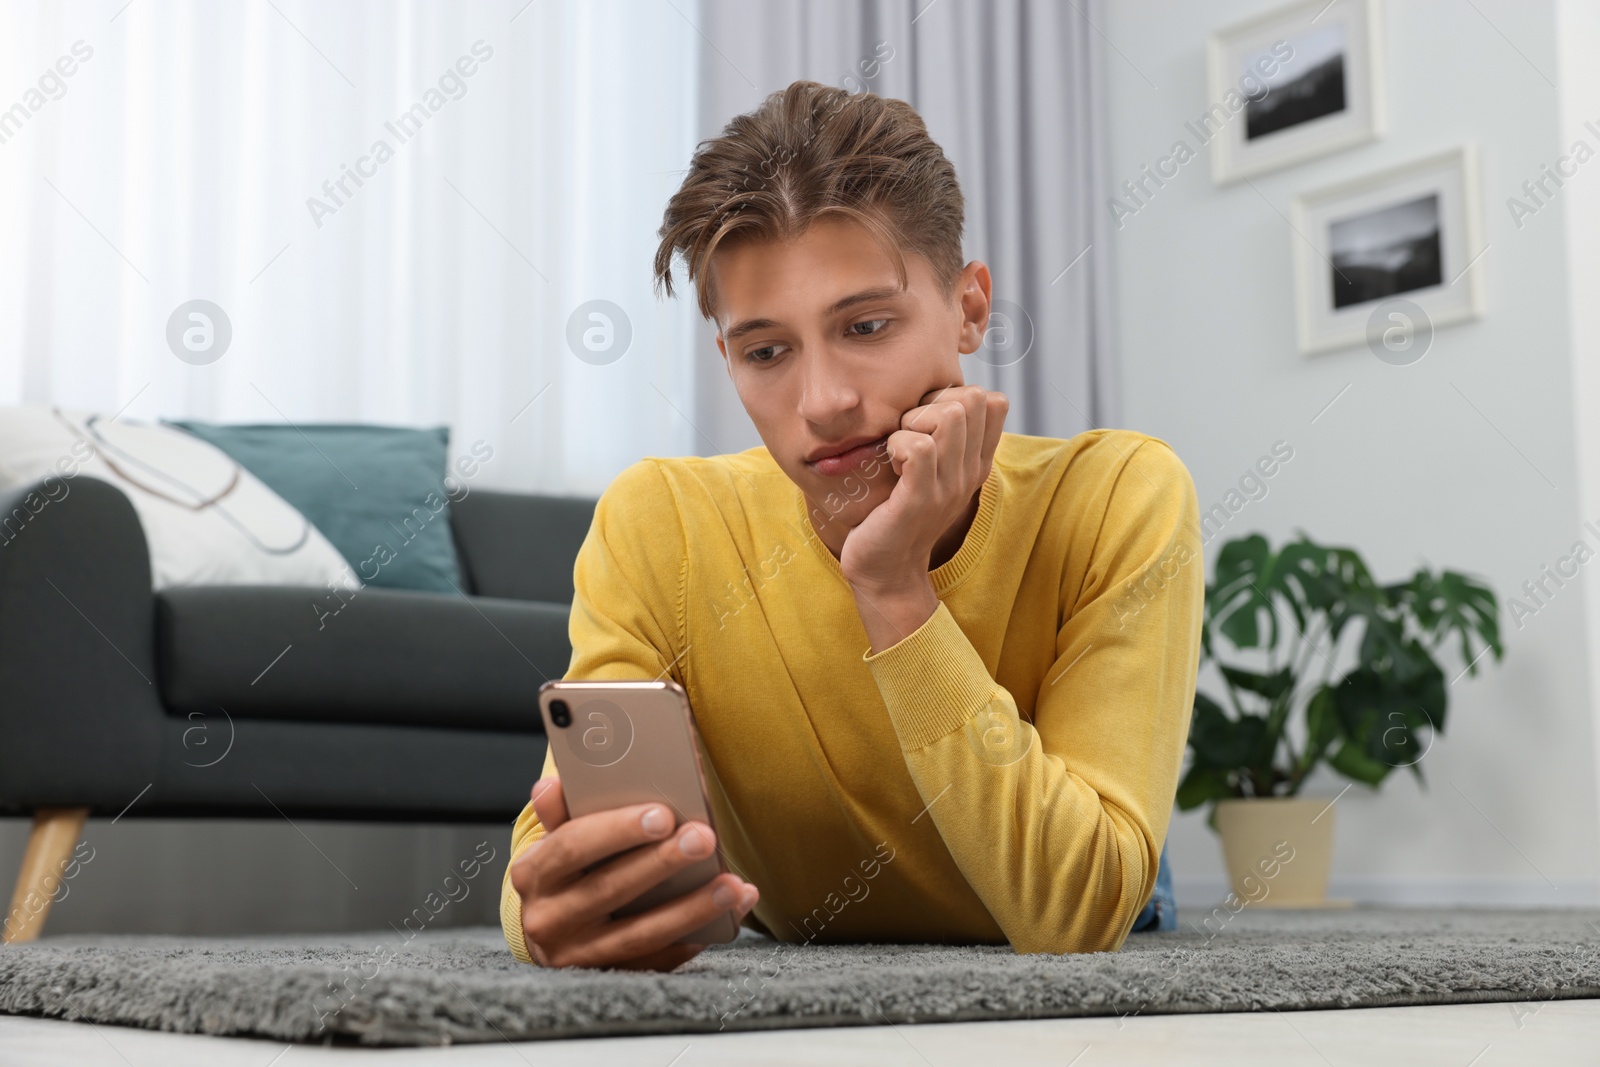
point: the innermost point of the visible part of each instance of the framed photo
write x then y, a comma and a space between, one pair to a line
1411, 232
1293, 84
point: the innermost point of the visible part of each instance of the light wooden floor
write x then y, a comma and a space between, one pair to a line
1550, 1034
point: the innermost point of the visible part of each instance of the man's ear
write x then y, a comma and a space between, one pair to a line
973, 298
723, 349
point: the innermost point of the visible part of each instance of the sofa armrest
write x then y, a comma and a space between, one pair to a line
80, 712
520, 546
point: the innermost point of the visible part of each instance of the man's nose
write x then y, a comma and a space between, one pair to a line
826, 391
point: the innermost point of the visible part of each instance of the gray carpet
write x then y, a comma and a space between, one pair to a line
462, 985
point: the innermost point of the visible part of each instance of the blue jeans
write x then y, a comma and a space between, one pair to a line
1162, 911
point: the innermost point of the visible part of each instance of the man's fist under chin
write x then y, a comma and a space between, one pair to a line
941, 455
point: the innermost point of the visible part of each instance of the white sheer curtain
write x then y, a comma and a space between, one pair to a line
176, 163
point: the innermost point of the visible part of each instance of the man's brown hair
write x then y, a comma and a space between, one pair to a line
807, 152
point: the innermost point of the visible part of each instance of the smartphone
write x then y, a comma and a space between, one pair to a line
634, 742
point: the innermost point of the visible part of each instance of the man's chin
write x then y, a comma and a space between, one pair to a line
829, 499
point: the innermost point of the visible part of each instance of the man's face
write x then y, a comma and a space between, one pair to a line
826, 350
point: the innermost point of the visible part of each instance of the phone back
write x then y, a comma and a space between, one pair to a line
634, 742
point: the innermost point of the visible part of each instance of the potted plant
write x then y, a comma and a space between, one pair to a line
1283, 615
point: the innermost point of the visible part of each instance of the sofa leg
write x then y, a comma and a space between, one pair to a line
55, 833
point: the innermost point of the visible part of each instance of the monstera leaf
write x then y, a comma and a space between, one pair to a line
1293, 608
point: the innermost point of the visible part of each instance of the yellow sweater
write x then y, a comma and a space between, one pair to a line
1005, 773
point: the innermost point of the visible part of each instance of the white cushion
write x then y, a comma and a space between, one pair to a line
207, 520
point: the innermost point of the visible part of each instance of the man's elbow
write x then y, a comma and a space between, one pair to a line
1097, 914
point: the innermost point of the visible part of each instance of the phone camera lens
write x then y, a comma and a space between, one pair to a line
560, 714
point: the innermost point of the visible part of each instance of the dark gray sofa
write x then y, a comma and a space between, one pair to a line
240, 701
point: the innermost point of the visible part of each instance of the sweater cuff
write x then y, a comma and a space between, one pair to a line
511, 918
933, 681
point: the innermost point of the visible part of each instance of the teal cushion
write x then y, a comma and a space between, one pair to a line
376, 492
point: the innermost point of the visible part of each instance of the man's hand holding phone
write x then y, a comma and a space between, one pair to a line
567, 900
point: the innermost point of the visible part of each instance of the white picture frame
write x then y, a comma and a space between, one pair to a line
1293, 84
1363, 242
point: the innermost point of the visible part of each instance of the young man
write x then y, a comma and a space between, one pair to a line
943, 673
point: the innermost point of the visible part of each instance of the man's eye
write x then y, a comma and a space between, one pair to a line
751, 356
868, 322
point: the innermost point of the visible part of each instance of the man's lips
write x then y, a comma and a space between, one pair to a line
840, 462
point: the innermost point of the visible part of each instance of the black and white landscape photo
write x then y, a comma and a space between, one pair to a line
1311, 75
1411, 231
1310, 85
1392, 250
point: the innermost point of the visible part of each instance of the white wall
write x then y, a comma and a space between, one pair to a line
1442, 463
1578, 32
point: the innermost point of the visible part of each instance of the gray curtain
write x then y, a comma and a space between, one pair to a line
1011, 89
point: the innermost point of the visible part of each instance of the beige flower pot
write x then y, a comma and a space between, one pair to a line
1277, 850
